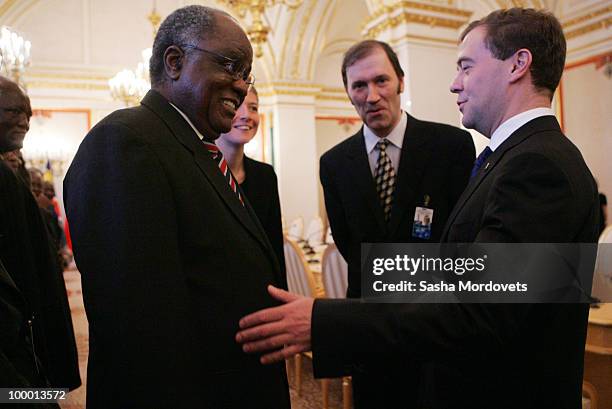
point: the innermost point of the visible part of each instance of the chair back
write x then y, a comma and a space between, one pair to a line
335, 273
314, 233
299, 276
329, 238
602, 279
296, 229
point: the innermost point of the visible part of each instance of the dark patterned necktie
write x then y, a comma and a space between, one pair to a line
225, 170
385, 178
480, 160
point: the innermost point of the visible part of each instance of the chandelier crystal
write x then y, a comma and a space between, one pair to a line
130, 86
14, 55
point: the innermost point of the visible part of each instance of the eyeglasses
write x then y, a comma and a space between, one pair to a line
231, 66
14, 112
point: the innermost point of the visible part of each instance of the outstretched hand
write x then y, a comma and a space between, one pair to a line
279, 332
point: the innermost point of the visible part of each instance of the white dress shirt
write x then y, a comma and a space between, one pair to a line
506, 129
188, 121
394, 149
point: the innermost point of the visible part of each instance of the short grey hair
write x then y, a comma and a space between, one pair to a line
182, 26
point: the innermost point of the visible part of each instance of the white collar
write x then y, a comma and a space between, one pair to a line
506, 129
188, 121
396, 136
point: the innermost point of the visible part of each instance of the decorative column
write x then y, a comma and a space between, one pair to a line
292, 108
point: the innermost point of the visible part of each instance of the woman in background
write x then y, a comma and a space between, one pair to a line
256, 179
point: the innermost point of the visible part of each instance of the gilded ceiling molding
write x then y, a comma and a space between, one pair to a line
589, 28
340, 90
535, 4
319, 92
338, 98
286, 43
451, 11
589, 16
414, 37
62, 76
324, 20
295, 92
333, 94
341, 119
295, 84
12, 11
589, 45
69, 78
288, 88
67, 85
406, 18
297, 50
6, 6
406, 12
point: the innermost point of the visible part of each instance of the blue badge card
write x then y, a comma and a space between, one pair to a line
421, 229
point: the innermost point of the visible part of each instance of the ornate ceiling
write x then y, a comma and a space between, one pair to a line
79, 44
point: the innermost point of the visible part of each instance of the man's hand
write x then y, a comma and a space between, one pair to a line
284, 330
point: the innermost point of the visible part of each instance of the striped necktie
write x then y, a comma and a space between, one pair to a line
217, 156
385, 178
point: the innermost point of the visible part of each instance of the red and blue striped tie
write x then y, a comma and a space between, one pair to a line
217, 155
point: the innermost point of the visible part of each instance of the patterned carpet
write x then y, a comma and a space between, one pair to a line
310, 396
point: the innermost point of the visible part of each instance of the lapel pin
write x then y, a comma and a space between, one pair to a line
487, 165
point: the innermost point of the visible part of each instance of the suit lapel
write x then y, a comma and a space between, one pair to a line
361, 176
532, 127
413, 160
209, 168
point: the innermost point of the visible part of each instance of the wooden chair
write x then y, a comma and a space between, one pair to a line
334, 271
315, 232
602, 278
301, 281
589, 392
329, 238
296, 229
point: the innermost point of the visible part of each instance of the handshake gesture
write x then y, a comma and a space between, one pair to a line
278, 332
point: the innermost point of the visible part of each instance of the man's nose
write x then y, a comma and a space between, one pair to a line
455, 86
373, 94
24, 121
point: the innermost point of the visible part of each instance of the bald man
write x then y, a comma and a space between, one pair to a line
24, 251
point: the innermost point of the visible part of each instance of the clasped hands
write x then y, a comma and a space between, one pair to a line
278, 332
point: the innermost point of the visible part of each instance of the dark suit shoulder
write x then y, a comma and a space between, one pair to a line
136, 119
548, 142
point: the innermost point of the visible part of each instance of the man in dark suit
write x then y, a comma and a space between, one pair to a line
533, 187
26, 256
171, 254
429, 168
429, 163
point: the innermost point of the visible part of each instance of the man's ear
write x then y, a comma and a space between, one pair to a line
521, 64
400, 87
173, 62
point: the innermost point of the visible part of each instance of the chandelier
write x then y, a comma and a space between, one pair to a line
14, 55
130, 86
258, 31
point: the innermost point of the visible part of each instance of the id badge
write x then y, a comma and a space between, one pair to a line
421, 229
